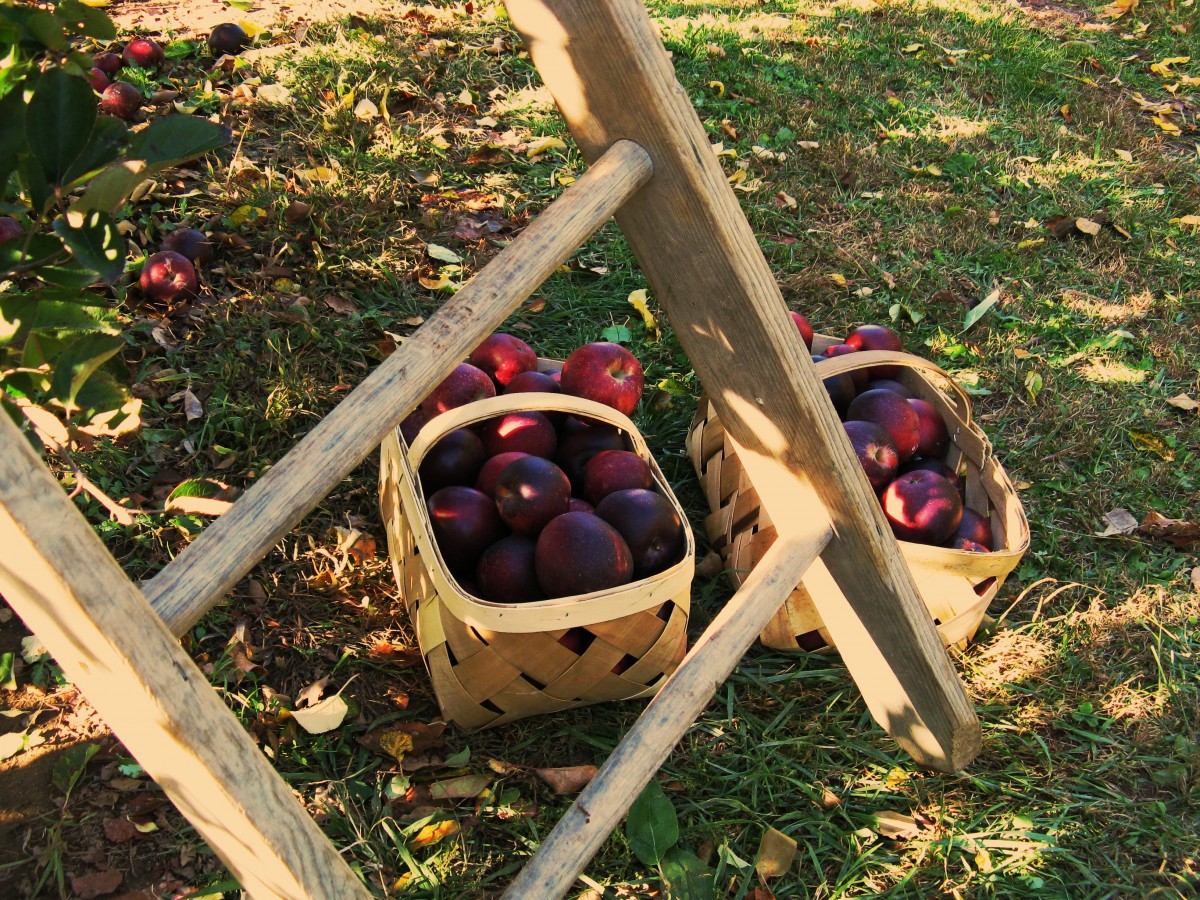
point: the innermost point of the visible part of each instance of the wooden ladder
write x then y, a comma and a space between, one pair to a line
651, 166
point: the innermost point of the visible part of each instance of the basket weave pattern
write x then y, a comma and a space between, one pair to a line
956, 585
492, 663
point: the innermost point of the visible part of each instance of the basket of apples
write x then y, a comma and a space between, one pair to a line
953, 509
538, 548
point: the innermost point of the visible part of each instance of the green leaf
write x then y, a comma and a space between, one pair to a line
58, 121
40, 191
108, 138
981, 309
686, 877
75, 318
107, 191
93, 22
71, 764
442, 254
79, 361
71, 277
95, 243
13, 71
40, 247
46, 29
12, 135
197, 487
8, 678
652, 827
172, 139
961, 164
617, 334
102, 393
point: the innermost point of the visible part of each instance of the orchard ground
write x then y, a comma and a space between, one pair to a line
1013, 187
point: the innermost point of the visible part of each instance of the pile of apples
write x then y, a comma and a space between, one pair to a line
901, 441
537, 505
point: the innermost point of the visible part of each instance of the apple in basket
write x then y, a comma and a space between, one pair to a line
503, 357
579, 552
531, 491
923, 507
650, 526
614, 470
464, 385
894, 413
605, 372
875, 451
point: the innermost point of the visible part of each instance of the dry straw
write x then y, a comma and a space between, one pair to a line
492, 663
956, 585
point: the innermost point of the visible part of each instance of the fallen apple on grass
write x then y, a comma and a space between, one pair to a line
143, 53
190, 242
228, 39
168, 277
121, 99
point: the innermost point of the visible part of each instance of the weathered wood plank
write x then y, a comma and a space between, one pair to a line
62, 582
597, 811
228, 548
613, 80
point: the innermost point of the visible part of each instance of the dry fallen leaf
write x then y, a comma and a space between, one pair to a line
896, 826
1087, 226
96, 884
1196, 579
1118, 8
711, 566
461, 788
638, 300
1177, 531
1183, 401
435, 832
776, 851
1120, 521
542, 145
567, 780
341, 305
325, 716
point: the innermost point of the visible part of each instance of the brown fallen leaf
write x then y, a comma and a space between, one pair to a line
776, 851
567, 780
96, 884
396, 654
1183, 401
297, 211
711, 566
341, 305
435, 832
895, 826
1196, 579
1061, 226
1178, 531
1087, 226
758, 892
1119, 521
119, 831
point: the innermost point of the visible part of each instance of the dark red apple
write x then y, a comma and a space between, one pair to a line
932, 465
876, 337
506, 572
969, 545
464, 385
875, 451
97, 79
614, 470
532, 382
578, 553
121, 99
805, 327
491, 470
529, 431
578, 445
108, 63
143, 53
456, 458
530, 492
890, 384
192, 243
859, 376
577, 640
228, 38
412, 425
10, 229
503, 356
650, 526
923, 507
577, 505
168, 276
606, 373
465, 523
934, 438
894, 413
974, 527
840, 388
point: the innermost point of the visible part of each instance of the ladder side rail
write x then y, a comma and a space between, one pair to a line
187, 587
612, 79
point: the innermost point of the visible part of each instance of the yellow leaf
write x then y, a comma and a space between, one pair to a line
776, 851
1032, 223
1148, 440
145, 827
808, 145
542, 145
441, 283
244, 215
837, 278
1025, 245
252, 30
366, 110
1021, 353
1124, 154
1191, 221
1167, 125
318, 175
325, 716
912, 48
736, 177
1087, 226
637, 299
396, 744
935, 171
435, 832
718, 87
1118, 8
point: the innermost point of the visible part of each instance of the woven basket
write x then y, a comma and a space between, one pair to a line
492, 663
956, 585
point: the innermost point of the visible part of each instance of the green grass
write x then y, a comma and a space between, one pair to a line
941, 150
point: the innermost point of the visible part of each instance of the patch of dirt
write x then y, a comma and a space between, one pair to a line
189, 20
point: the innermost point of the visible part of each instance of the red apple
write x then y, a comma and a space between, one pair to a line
168, 276
875, 451
580, 444
890, 384
840, 388
934, 438
922, 506
805, 327
121, 99
97, 79
530, 492
606, 373
491, 470
10, 229
876, 337
894, 413
532, 382
465, 523
974, 527
464, 385
228, 38
969, 545
143, 53
650, 526
192, 243
506, 572
456, 458
577, 505
412, 425
529, 431
578, 553
932, 465
108, 63
577, 640
614, 470
859, 376
503, 356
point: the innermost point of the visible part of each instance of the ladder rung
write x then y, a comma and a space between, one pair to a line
232, 545
596, 812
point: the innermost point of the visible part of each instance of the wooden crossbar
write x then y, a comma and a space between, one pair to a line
597, 811
232, 545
